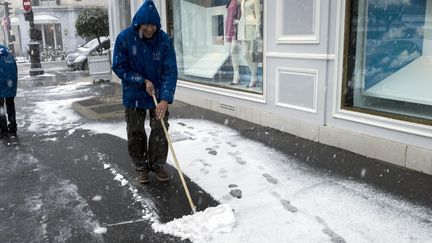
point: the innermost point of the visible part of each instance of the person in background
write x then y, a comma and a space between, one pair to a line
8, 90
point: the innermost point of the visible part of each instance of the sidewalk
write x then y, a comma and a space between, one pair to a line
405, 183
313, 186
71, 175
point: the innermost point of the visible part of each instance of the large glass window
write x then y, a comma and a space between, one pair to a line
51, 35
388, 64
219, 42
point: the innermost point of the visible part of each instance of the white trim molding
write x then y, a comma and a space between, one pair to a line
310, 56
283, 38
299, 72
259, 98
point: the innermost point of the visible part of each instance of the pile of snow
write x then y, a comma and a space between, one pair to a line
100, 230
201, 226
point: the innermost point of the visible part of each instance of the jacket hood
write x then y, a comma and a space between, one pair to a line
147, 14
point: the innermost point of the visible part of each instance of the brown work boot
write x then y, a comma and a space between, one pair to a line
161, 174
143, 177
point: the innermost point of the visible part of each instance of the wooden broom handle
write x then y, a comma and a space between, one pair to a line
192, 205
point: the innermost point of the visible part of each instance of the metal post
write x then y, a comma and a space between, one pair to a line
35, 38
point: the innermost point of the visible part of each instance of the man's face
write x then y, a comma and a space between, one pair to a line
148, 30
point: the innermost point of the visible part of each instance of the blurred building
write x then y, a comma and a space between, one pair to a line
352, 74
55, 18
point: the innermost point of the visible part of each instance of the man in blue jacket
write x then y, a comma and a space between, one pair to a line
145, 61
8, 90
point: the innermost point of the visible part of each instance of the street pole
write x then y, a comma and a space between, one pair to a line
35, 38
9, 38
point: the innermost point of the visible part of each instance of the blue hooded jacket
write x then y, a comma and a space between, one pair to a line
137, 59
8, 74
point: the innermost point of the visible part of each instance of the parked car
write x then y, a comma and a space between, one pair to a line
78, 59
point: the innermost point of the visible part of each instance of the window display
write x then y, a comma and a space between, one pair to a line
218, 42
389, 58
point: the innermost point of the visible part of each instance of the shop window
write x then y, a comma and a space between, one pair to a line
218, 42
51, 36
388, 59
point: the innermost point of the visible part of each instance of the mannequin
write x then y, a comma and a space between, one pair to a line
249, 31
233, 14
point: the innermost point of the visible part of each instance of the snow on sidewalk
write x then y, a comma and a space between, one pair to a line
277, 199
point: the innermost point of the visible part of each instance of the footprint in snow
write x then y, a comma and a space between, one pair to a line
201, 161
287, 206
285, 203
231, 144
189, 133
212, 152
204, 171
237, 193
270, 178
240, 161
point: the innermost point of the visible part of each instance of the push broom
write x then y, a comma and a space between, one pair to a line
192, 205
200, 226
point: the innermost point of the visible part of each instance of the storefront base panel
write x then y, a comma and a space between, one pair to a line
400, 154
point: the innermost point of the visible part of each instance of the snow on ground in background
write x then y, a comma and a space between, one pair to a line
70, 89
57, 115
39, 76
50, 115
116, 129
67, 89
201, 226
277, 199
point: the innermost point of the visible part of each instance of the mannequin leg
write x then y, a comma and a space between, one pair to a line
247, 49
234, 49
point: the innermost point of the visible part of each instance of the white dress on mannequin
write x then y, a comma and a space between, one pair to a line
250, 21
248, 31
